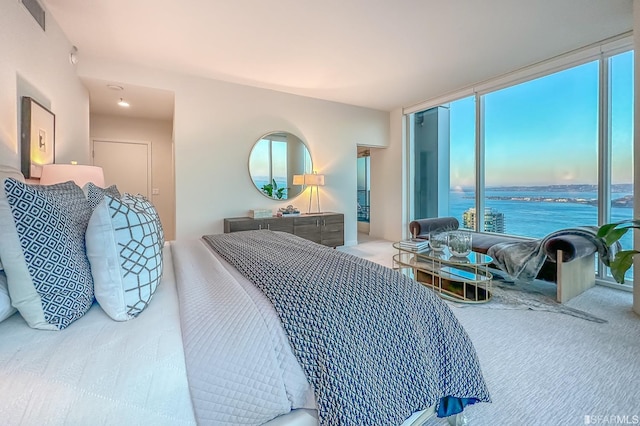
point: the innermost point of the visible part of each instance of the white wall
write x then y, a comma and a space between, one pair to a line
388, 198
215, 127
36, 63
160, 134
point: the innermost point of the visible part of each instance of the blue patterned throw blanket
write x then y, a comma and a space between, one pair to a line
375, 345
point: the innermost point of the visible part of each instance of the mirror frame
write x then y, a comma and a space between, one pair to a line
304, 144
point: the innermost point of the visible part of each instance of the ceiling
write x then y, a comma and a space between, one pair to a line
381, 54
144, 102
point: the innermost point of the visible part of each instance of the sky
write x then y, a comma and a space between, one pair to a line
533, 128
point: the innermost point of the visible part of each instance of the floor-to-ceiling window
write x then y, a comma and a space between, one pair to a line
541, 152
620, 135
547, 152
462, 174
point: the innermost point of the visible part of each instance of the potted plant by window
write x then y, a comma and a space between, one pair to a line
623, 260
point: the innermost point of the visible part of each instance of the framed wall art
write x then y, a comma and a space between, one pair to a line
38, 133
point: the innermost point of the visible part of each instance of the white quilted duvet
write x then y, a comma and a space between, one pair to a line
98, 371
240, 366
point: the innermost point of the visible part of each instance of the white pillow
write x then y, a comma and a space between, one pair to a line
6, 310
125, 252
43, 252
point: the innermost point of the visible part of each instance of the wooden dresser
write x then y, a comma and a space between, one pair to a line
323, 228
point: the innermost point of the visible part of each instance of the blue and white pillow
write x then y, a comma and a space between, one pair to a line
140, 202
43, 252
95, 194
125, 250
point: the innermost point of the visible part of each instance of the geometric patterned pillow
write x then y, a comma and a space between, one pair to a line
43, 252
125, 252
95, 194
140, 202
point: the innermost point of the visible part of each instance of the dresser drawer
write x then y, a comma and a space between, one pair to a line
322, 228
309, 232
333, 234
284, 224
307, 221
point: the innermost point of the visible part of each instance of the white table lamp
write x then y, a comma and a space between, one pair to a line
314, 180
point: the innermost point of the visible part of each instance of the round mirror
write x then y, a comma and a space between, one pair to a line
274, 161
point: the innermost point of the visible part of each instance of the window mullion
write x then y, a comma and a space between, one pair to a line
479, 163
604, 149
604, 143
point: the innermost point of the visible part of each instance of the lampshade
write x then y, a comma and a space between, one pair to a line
80, 174
298, 179
314, 179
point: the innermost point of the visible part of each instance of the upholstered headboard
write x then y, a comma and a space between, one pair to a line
10, 172
6, 309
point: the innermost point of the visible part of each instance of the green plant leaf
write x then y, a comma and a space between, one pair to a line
614, 235
605, 229
621, 264
612, 232
268, 189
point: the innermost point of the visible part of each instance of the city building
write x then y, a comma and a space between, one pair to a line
493, 220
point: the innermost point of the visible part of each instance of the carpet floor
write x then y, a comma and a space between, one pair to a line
547, 368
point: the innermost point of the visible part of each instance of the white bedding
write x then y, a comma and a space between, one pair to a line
240, 365
238, 330
98, 371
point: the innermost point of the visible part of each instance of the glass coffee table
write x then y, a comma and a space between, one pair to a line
462, 279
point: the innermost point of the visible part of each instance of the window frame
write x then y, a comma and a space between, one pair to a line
601, 52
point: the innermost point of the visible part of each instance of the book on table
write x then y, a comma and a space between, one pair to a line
415, 244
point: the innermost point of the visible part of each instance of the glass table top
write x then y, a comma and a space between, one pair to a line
445, 256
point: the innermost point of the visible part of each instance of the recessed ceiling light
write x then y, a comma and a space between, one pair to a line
115, 87
123, 103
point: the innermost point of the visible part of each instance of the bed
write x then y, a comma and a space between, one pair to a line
210, 346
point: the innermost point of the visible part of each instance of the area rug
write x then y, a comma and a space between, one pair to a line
536, 296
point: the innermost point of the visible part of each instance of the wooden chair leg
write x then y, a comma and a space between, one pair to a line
574, 277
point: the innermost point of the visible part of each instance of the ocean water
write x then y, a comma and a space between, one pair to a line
538, 218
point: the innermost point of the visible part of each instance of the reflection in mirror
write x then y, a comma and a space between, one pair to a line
273, 162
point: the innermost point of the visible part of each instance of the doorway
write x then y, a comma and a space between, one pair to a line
125, 164
364, 190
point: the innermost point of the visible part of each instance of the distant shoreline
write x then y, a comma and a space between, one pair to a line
617, 187
626, 201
